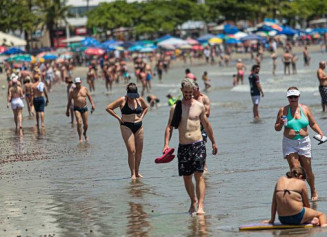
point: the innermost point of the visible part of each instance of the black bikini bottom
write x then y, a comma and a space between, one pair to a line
134, 127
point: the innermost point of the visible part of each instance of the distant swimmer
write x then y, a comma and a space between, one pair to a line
290, 201
15, 97
189, 75
287, 59
187, 115
91, 76
322, 77
133, 109
274, 58
295, 119
38, 91
78, 96
306, 57
255, 90
240, 68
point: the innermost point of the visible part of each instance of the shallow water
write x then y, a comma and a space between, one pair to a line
50, 184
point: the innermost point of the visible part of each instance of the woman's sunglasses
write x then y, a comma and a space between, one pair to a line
293, 97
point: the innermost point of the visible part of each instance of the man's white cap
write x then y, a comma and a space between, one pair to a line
77, 80
293, 92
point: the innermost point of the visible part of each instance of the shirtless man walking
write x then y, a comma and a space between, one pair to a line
78, 95
240, 67
38, 91
322, 77
191, 150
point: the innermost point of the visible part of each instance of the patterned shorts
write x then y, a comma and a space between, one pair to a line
323, 94
191, 158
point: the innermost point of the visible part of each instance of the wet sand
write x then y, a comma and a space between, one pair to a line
50, 184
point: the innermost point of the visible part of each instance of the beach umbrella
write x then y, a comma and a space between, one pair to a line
147, 50
172, 41
272, 33
135, 48
252, 37
240, 35
50, 57
126, 44
232, 41
20, 58
221, 36
13, 50
165, 37
74, 39
167, 46
192, 41
215, 40
94, 51
197, 47
185, 46
144, 42
90, 41
262, 33
205, 38
276, 27
287, 31
230, 29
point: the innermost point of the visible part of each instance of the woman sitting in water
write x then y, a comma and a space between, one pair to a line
290, 200
133, 109
296, 140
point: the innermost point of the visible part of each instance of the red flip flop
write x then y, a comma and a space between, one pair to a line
166, 157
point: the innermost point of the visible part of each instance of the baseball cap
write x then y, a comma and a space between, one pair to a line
78, 80
293, 92
132, 92
15, 79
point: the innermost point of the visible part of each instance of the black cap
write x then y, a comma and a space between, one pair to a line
132, 92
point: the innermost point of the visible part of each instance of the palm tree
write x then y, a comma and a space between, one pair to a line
52, 12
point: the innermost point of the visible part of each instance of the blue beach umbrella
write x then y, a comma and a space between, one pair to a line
232, 41
90, 41
287, 31
13, 50
252, 37
50, 57
135, 48
205, 38
165, 37
230, 29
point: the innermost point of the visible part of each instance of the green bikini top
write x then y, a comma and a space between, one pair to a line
296, 124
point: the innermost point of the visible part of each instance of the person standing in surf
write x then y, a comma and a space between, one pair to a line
255, 89
295, 118
187, 115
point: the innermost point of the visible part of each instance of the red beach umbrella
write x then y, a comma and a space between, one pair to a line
197, 47
2, 49
94, 51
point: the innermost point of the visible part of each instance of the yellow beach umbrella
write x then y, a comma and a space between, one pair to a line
215, 41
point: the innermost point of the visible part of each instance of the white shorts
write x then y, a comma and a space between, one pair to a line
302, 147
255, 99
17, 103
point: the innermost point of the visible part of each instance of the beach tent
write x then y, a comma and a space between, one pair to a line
230, 29
172, 41
205, 38
10, 40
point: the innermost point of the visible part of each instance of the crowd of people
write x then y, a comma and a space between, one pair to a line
189, 114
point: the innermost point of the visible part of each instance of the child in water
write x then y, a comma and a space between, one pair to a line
206, 81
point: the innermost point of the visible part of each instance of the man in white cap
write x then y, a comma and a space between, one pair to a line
78, 96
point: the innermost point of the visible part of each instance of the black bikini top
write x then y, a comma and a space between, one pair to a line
127, 110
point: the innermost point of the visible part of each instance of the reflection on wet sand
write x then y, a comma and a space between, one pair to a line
138, 223
198, 226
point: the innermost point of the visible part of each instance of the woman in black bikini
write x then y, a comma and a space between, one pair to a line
133, 109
